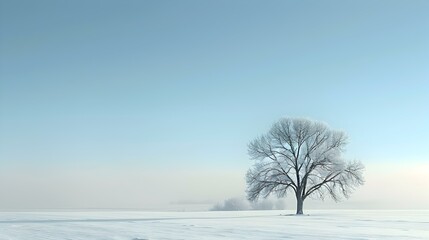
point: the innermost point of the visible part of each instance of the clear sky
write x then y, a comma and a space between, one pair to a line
107, 88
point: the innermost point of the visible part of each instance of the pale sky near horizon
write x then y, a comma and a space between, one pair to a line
117, 96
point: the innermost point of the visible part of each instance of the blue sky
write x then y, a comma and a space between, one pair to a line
187, 84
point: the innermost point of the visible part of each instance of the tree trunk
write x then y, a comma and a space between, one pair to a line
299, 205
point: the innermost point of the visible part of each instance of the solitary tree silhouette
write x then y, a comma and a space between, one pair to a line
303, 157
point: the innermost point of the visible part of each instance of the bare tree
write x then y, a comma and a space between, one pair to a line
303, 157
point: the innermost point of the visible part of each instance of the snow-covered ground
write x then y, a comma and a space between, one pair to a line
320, 224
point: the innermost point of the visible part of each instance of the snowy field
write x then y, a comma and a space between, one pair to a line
320, 224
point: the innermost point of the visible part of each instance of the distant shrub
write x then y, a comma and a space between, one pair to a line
232, 204
239, 204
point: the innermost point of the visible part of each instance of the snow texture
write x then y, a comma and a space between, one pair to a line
321, 224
